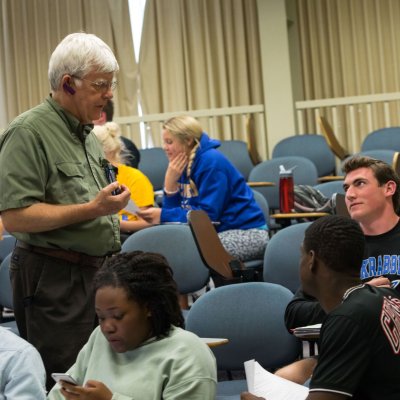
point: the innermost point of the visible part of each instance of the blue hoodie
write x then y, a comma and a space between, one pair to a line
222, 192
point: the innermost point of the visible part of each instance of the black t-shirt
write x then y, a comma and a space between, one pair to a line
381, 257
360, 346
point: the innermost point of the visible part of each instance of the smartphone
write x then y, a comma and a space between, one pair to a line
64, 377
110, 172
111, 177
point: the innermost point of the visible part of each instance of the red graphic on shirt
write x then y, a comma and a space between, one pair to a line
390, 321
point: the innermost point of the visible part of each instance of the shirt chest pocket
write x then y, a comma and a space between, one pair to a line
71, 183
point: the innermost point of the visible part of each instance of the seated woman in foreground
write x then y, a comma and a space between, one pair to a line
201, 177
138, 184
140, 350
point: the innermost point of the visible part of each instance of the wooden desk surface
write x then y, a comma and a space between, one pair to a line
214, 342
295, 215
261, 184
329, 178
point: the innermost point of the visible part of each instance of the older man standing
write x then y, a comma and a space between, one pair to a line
56, 200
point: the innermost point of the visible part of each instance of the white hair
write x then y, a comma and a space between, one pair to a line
78, 54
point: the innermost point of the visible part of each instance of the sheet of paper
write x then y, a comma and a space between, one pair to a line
131, 207
307, 331
315, 327
249, 370
262, 383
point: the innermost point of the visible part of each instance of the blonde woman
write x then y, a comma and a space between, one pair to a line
200, 177
139, 185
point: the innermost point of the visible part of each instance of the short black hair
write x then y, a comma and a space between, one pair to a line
147, 279
338, 241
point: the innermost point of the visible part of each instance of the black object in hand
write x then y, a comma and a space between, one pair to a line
110, 172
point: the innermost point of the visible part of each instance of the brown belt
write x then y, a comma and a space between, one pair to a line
67, 255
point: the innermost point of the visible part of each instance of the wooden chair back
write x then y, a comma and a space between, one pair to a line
210, 247
330, 137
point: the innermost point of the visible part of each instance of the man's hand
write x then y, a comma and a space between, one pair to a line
249, 396
380, 281
105, 203
93, 390
151, 215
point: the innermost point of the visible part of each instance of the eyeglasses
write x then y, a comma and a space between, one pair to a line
100, 85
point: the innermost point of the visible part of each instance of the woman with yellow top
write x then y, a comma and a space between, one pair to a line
139, 185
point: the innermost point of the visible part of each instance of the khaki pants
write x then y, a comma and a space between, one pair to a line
53, 306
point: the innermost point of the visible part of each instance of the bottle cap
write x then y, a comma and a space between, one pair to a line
289, 171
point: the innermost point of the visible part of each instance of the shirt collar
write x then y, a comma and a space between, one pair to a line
352, 289
73, 124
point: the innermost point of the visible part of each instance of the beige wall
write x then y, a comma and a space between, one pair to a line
281, 80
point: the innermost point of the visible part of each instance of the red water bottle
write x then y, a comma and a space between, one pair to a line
286, 190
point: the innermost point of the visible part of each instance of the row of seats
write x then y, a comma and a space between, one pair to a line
381, 144
310, 154
280, 263
153, 162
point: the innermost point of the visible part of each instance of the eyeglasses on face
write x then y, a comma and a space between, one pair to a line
100, 85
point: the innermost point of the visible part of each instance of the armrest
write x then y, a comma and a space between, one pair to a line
329, 178
261, 184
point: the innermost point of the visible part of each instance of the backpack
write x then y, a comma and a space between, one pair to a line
309, 199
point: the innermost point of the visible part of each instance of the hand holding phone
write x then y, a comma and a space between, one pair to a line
64, 377
111, 175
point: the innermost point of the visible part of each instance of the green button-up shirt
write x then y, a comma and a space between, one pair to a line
47, 156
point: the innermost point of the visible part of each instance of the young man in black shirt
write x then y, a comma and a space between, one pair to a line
373, 200
359, 343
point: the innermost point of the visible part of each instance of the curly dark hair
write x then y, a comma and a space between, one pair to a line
383, 172
338, 241
147, 279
